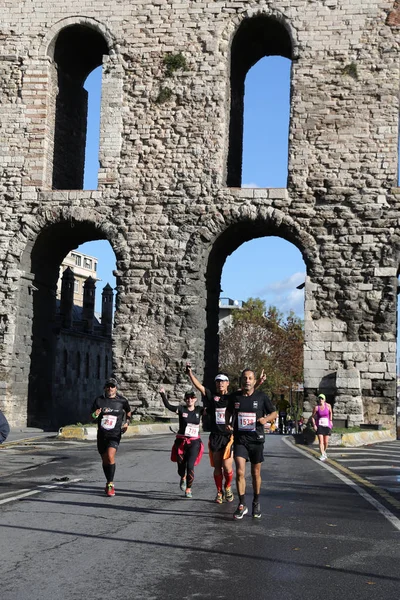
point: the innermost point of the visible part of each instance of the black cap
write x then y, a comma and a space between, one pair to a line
190, 394
111, 381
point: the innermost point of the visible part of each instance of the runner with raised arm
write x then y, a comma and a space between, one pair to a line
220, 440
188, 447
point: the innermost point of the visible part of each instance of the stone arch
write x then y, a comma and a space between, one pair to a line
258, 33
50, 239
238, 227
48, 43
75, 47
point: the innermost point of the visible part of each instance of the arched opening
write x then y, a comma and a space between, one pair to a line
256, 38
252, 279
266, 124
50, 328
77, 51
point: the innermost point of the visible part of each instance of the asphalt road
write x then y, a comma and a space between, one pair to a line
318, 536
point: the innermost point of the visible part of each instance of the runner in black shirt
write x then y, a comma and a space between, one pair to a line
250, 410
113, 415
220, 440
4, 428
188, 447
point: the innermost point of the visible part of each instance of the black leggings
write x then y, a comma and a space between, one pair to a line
186, 462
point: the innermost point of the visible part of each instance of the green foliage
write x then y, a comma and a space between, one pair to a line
265, 338
174, 62
164, 95
351, 70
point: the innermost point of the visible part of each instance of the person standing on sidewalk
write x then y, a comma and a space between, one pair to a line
220, 443
188, 447
113, 415
4, 428
322, 420
250, 410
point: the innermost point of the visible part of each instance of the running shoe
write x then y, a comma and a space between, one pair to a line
110, 489
219, 498
322, 457
182, 484
240, 512
256, 510
325, 454
188, 493
229, 494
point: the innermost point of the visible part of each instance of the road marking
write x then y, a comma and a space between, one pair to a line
367, 458
38, 490
348, 479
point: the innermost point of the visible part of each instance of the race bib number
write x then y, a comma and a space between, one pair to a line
324, 422
108, 421
192, 430
247, 421
220, 416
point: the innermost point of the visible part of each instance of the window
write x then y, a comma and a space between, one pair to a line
77, 259
95, 266
76, 287
87, 263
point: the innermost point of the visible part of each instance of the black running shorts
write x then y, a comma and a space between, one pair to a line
218, 442
253, 452
107, 442
323, 430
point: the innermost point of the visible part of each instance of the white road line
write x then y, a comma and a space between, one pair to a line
374, 468
367, 459
38, 490
369, 451
375, 503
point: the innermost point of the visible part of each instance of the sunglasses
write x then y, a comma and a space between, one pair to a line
110, 385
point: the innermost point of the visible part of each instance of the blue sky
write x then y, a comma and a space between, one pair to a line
268, 267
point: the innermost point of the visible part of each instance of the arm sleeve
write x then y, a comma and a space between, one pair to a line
94, 407
127, 407
207, 399
167, 404
268, 406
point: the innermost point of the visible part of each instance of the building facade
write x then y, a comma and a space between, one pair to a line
169, 199
83, 266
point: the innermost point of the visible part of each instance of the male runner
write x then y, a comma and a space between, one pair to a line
220, 440
110, 409
250, 410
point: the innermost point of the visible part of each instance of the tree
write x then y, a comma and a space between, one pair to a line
264, 338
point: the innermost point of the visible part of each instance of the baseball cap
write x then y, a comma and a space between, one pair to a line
322, 396
222, 377
190, 394
111, 381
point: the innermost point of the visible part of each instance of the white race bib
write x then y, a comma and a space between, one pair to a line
192, 430
323, 421
108, 421
220, 416
247, 421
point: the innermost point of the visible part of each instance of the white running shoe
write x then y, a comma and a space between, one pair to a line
322, 457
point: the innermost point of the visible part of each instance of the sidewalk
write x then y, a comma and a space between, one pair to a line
27, 433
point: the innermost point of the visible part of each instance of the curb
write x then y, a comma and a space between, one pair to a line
90, 433
360, 438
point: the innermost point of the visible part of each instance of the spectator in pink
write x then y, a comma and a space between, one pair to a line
322, 420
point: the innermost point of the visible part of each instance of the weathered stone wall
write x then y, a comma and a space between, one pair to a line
76, 386
163, 201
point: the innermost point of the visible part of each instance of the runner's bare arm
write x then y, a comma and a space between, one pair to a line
194, 380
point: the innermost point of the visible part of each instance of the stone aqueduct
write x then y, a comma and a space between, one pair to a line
169, 199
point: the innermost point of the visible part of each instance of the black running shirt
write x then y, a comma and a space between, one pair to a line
111, 418
216, 406
246, 411
189, 421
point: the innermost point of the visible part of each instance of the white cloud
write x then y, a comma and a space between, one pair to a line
284, 294
250, 185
